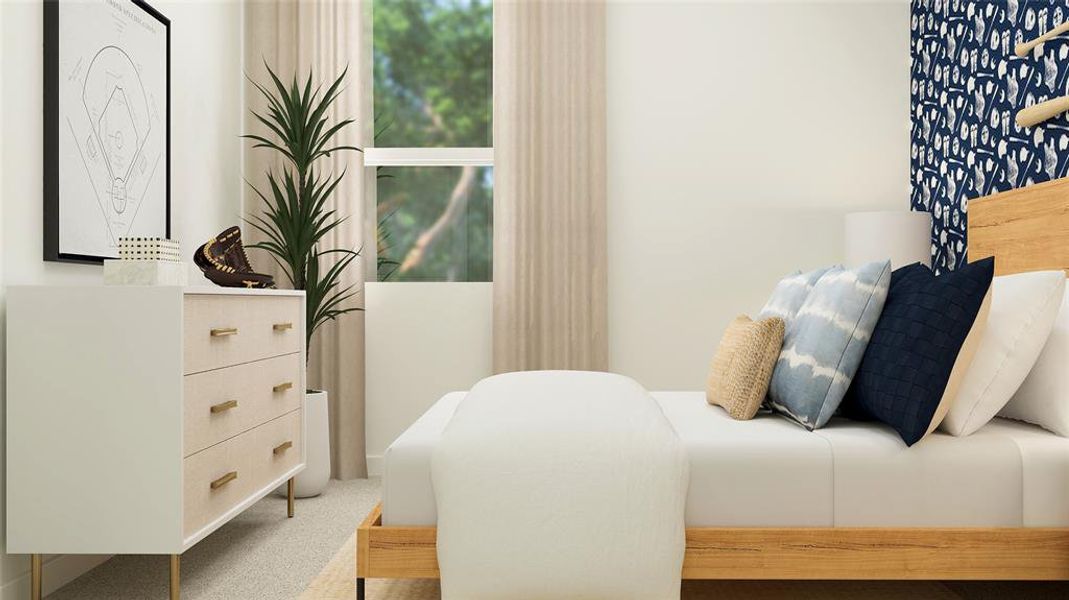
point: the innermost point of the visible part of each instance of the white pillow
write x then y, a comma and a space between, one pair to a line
1043, 398
1023, 310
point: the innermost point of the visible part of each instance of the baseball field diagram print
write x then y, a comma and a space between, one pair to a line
107, 126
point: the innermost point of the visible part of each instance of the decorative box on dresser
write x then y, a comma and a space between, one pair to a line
142, 419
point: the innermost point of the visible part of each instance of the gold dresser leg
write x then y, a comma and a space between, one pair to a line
176, 589
289, 498
36, 569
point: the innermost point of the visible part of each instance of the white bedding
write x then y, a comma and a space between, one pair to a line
768, 472
559, 485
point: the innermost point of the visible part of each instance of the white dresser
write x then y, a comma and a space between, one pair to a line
141, 419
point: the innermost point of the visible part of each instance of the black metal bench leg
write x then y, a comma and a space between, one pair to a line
359, 588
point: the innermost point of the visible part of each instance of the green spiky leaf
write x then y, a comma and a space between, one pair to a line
297, 214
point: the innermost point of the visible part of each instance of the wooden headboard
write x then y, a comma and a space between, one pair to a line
1026, 229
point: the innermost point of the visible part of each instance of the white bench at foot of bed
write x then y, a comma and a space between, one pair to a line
559, 485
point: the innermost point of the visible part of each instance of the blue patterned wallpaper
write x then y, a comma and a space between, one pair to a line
966, 87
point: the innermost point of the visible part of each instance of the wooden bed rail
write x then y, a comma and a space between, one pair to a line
789, 553
395, 552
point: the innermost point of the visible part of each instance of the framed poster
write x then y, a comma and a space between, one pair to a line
107, 126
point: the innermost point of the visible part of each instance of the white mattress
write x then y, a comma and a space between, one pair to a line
768, 472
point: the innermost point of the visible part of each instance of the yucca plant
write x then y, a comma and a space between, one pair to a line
296, 216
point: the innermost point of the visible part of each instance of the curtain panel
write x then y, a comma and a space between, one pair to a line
326, 36
550, 280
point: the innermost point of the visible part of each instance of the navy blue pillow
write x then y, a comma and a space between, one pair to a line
908, 362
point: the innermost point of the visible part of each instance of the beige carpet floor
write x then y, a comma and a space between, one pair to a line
337, 581
260, 555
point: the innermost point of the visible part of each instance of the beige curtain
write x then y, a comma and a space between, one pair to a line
550, 305
325, 36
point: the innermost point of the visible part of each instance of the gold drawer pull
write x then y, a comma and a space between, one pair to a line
279, 449
225, 479
224, 406
221, 331
282, 326
282, 387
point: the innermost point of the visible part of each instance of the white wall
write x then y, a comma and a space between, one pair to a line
206, 107
739, 135
423, 340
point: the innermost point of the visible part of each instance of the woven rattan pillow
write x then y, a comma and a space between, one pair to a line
742, 367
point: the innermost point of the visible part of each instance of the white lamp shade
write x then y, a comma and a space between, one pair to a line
903, 236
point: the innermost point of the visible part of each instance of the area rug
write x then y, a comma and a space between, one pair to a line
337, 581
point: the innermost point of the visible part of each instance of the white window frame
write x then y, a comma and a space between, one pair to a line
428, 157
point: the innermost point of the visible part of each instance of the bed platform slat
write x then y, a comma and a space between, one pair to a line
877, 553
789, 553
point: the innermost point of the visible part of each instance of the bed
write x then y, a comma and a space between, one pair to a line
847, 474
843, 502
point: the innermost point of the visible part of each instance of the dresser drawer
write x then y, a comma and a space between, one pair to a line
222, 403
221, 477
222, 330
280, 449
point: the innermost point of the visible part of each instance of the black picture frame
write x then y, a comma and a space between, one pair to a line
52, 251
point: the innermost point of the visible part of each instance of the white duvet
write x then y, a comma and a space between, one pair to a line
560, 484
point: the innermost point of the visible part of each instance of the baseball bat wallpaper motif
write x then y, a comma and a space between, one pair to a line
967, 86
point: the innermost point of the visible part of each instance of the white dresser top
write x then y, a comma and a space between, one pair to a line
216, 290
193, 289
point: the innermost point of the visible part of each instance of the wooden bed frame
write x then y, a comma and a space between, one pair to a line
1025, 230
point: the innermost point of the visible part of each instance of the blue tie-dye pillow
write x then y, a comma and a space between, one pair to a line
825, 340
790, 293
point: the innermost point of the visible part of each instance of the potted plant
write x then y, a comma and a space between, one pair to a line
295, 219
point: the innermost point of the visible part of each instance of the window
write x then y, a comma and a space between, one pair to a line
433, 149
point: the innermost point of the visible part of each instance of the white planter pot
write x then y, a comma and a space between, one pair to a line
313, 479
